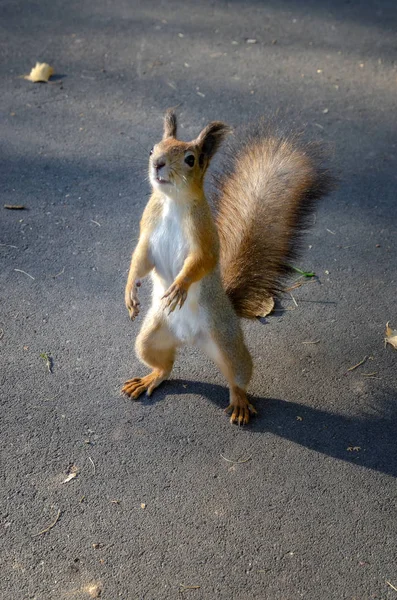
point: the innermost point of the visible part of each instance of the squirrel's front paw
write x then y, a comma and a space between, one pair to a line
133, 310
132, 303
174, 296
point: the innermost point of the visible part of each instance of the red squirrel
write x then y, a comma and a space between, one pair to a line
207, 272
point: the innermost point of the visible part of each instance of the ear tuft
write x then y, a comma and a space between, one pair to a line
211, 138
170, 124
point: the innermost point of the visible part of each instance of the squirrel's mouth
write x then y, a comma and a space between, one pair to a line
161, 180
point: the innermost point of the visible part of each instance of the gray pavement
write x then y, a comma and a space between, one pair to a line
310, 512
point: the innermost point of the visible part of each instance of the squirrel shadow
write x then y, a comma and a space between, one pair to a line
369, 441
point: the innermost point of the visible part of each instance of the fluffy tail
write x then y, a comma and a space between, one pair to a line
264, 196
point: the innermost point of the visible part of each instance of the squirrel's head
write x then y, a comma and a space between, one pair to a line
176, 165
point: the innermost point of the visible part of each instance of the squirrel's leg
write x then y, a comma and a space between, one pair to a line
156, 347
231, 355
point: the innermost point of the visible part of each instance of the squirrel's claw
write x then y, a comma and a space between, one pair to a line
131, 299
138, 385
174, 296
133, 308
133, 312
241, 411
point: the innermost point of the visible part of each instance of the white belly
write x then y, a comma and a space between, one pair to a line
169, 250
168, 245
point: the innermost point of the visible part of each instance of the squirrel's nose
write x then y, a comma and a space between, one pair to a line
159, 164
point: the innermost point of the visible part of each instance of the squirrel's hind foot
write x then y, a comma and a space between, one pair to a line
240, 407
136, 386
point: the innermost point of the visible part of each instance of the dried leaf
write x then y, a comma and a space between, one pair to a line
391, 336
267, 307
94, 590
41, 72
143, 505
69, 477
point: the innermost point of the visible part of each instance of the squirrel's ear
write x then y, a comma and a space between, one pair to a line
169, 124
211, 138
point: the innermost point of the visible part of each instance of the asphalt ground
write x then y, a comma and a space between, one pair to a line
157, 510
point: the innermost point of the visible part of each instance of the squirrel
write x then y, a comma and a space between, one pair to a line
208, 271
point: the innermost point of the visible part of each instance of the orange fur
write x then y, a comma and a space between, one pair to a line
264, 197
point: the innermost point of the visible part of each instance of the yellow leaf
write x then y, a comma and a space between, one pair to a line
267, 307
41, 72
94, 590
69, 477
391, 336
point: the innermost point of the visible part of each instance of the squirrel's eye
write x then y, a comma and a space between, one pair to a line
189, 160
151, 152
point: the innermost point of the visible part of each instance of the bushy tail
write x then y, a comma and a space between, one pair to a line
264, 196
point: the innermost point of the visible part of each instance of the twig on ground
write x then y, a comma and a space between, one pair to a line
392, 586
93, 465
49, 526
295, 302
24, 272
184, 588
58, 274
360, 363
299, 282
236, 462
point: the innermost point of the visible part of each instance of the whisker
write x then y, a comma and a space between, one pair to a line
181, 177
